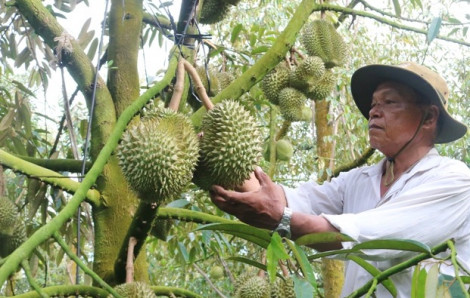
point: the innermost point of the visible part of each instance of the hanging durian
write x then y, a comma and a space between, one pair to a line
213, 11
274, 81
309, 71
230, 147
10, 242
320, 38
254, 287
323, 87
8, 216
292, 105
283, 288
284, 150
158, 155
134, 290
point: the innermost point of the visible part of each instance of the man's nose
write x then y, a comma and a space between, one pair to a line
375, 111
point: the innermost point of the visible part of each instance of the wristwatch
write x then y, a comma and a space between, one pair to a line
283, 229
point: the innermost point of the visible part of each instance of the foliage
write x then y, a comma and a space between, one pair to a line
251, 40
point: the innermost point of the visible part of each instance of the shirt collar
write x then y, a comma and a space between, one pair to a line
427, 162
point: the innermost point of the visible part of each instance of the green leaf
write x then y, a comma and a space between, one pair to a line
261, 49
397, 7
23, 88
395, 244
239, 229
421, 284
388, 284
326, 237
433, 29
183, 251
92, 49
274, 253
432, 281
303, 289
414, 282
236, 32
303, 262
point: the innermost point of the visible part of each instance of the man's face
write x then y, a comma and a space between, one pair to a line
394, 117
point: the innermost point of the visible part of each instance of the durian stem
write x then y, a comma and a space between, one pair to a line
82, 266
179, 87
283, 131
199, 87
209, 281
130, 260
31, 280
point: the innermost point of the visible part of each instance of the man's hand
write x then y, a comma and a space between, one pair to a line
258, 206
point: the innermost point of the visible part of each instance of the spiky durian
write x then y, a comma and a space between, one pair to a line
309, 71
209, 80
283, 288
254, 287
292, 103
323, 87
158, 155
12, 241
229, 148
224, 78
320, 38
8, 216
213, 11
275, 81
134, 290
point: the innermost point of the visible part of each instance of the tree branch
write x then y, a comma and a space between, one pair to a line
68, 291
50, 177
60, 165
399, 268
355, 163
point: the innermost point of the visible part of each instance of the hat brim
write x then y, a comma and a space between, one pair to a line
366, 79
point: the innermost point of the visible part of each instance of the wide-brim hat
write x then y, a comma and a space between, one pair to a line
426, 82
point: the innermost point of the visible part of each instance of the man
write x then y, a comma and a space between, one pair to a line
413, 193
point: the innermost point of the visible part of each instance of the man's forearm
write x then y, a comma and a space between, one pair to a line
302, 224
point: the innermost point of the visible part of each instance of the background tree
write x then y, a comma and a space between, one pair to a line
49, 180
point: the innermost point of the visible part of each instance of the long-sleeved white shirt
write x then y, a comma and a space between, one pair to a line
429, 203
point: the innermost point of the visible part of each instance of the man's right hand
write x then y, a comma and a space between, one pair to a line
258, 202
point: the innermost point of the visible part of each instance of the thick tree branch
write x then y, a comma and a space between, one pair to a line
68, 291
47, 176
355, 163
59, 165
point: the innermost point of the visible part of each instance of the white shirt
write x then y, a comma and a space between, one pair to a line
429, 203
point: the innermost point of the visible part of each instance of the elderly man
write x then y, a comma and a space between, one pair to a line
413, 193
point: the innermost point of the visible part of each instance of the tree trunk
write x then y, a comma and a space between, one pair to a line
332, 270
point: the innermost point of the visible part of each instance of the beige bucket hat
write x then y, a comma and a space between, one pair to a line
423, 80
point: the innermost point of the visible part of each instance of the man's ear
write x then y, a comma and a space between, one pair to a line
431, 114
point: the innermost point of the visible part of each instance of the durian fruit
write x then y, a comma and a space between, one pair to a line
274, 81
254, 287
216, 272
8, 216
230, 147
10, 242
224, 78
158, 154
213, 11
283, 288
320, 38
209, 80
134, 290
284, 150
309, 71
292, 103
323, 87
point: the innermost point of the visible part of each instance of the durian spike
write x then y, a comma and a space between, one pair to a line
130, 260
200, 90
178, 88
